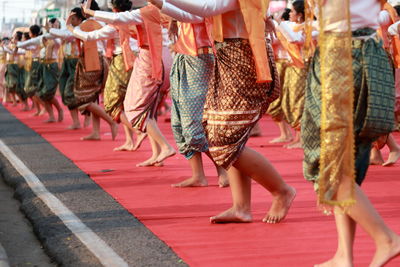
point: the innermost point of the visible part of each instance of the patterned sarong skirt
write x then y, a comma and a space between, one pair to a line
373, 95
115, 89
190, 77
32, 80
49, 81
143, 93
235, 101
88, 84
67, 82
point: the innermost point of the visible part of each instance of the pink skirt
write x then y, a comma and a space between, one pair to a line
142, 95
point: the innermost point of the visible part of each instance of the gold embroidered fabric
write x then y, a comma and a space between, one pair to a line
337, 171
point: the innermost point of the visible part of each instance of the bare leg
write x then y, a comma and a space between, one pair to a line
363, 213
256, 131
296, 143
346, 229
152, 161
75, 120
240, 212
99, 112
223, 179
198, 178
13, 99
60, 111
286, 134
394, 153
49, 109
95, 135
128, 145
375, 157
166, 149
86, 121
256, 166
25, 106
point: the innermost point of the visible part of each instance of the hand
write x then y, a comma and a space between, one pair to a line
157, 3
47, 25
270, 27
68, 22
86, 8
173, 31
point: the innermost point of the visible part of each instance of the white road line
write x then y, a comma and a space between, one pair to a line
105, 254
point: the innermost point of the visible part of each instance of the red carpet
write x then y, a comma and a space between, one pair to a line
180, 216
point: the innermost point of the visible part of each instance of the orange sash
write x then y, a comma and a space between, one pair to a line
124, 35
152, 23
293, 50
391, 42
90, 53
186, 43
253, 12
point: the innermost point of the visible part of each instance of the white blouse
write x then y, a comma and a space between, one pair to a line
234, 26
105, 33
69, 40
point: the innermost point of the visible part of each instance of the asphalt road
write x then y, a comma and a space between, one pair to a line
128, 237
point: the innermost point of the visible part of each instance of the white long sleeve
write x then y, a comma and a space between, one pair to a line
33, 41
206, 8
179, 14
105, 33
62, 33
393, 29
290, 35
131, 17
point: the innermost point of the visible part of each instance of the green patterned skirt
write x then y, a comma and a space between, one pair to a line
373, 105
67, 82
32, 81
49, 81
12, 77
21, 84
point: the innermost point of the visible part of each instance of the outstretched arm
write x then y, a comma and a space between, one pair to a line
105, 33
175, 12
205, 8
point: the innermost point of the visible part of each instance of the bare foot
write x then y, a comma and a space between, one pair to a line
60, 115
256, 131
281, 139
165, 153
139, 139
114, 130
148, 163
336, 262
36, 113
74, 127
42, 112
86, 121
91, 137
392, 159
294, 145
128, 146
280, 206
192, 182
50, 120
376, 157
223, 179
232, 216
386, 252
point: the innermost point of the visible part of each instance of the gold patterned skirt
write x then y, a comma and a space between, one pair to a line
275, 108
235, 101
293, 90
115, 89
88, 84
